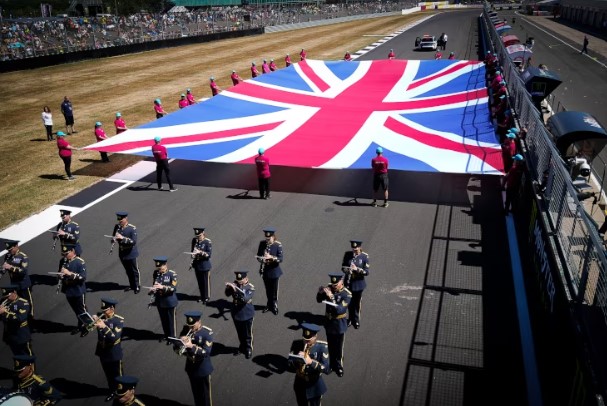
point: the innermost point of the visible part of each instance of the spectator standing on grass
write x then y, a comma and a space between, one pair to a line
65, 153
214, 88
287, 61
120, 124
47, 119
585, 46
162, 164
68, 112
159, 109
101, 136
303, 55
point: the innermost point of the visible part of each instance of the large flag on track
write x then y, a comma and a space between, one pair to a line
428, 116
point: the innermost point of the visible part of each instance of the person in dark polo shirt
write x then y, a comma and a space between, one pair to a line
162, 164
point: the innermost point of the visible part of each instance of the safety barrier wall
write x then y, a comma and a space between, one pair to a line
566, 253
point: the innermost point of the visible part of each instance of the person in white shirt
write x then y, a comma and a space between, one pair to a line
47, 119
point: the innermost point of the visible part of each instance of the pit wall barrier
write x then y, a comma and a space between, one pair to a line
564, 259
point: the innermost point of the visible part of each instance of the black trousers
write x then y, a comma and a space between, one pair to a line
78, 305
167, 319
271, 292
204, 284
104, 157
301, 397
27, 295
160, 167
67, 163
354, 307
112, 369
132, 271
264, 187
511, 193
336, 350
244, 329
201, 389
21, 348
49, 132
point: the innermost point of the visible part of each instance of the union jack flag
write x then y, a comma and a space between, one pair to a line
426, 115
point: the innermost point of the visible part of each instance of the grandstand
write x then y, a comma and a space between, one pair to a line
218, 3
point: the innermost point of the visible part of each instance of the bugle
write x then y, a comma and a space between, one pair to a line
188, 336
91, 326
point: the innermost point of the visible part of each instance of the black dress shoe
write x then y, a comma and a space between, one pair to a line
349, 323
275, 311
137, 289
340, 372
248, 354
356, 326
199, 301
109, 397
265, 310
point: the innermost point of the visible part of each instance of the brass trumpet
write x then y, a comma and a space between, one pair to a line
187, 337
91, 326
4, 305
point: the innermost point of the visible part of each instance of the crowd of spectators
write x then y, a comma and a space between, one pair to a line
32, 37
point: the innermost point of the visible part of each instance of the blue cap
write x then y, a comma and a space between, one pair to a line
22, 361
355, 243
514, 130
198, 230
161, 260
518, 157
261, 150
497, 72
309, 330
9, 288
8, 244
60, 134
379, 150
67, 247
124, 384
98, 124
192, 317
269, 231
107, 302
240, 275
118, 114
157, 138
502, 97
336, 277
503, 82
121, 214
157, 101
511, 135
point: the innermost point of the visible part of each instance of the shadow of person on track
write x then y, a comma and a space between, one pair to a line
149, 400
305, 317
272, 364
49, 327
77, 390
129, 333
222, 306
93, 286
220, 349
242, 196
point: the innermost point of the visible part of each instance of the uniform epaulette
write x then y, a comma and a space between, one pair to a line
363, 252
322, 342
171, 271
252, 286
207, 239
73, 222
23, 300
277, 242
38, 379
23, 253
346, 289
132, 225
118, 317
81, 260
205, 327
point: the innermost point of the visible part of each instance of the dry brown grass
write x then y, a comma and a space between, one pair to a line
31, 176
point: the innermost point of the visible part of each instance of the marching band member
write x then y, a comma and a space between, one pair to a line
14, 312
356, 266
125, 391
73, 283
125, 234
270, 254
164, 290
242, 311
338, 299
16, 264
109, 348
35, 386
68, 231
201, 249
309, 385
197, 341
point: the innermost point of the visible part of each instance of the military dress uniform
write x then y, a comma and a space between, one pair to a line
336, 322
127, 251
270, 269
309, 385
125, 384
71, 230
74, 286
355, 280
243, 312
201, 263
17, 267
109, 347
166, 298
36, 387
198, 365
15, 316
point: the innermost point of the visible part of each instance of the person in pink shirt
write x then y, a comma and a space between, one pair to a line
391, 55
120, 124
438, 55
162, 164
101, 135
379, 164
254, 71
235, 78
452, 55
190, 97
302, 55
183, 102
508, 150
347, 56
262, 164
158, 109
273, 66
287, 61
214, 88
65, 153
265, 68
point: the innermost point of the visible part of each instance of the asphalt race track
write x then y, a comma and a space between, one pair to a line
438, 324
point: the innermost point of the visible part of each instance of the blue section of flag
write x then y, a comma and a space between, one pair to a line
475, 80
395, 160
286, 78
340, 69
466, 122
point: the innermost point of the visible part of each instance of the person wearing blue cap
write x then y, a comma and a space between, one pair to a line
243, 311
38, 389
379, 165
72, 271
262, 165
67, 231
214, 88
337, 300
355, 266
202, 249
125, 234
125, 391
65, 153
120, 124
162, 164
197, 341
158, 109
270, 256
508, 150
164, 293
109, 343
15, 314
512, 182
100, 135
16, 263
308, 358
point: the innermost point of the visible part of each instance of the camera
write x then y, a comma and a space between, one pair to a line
585, 170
